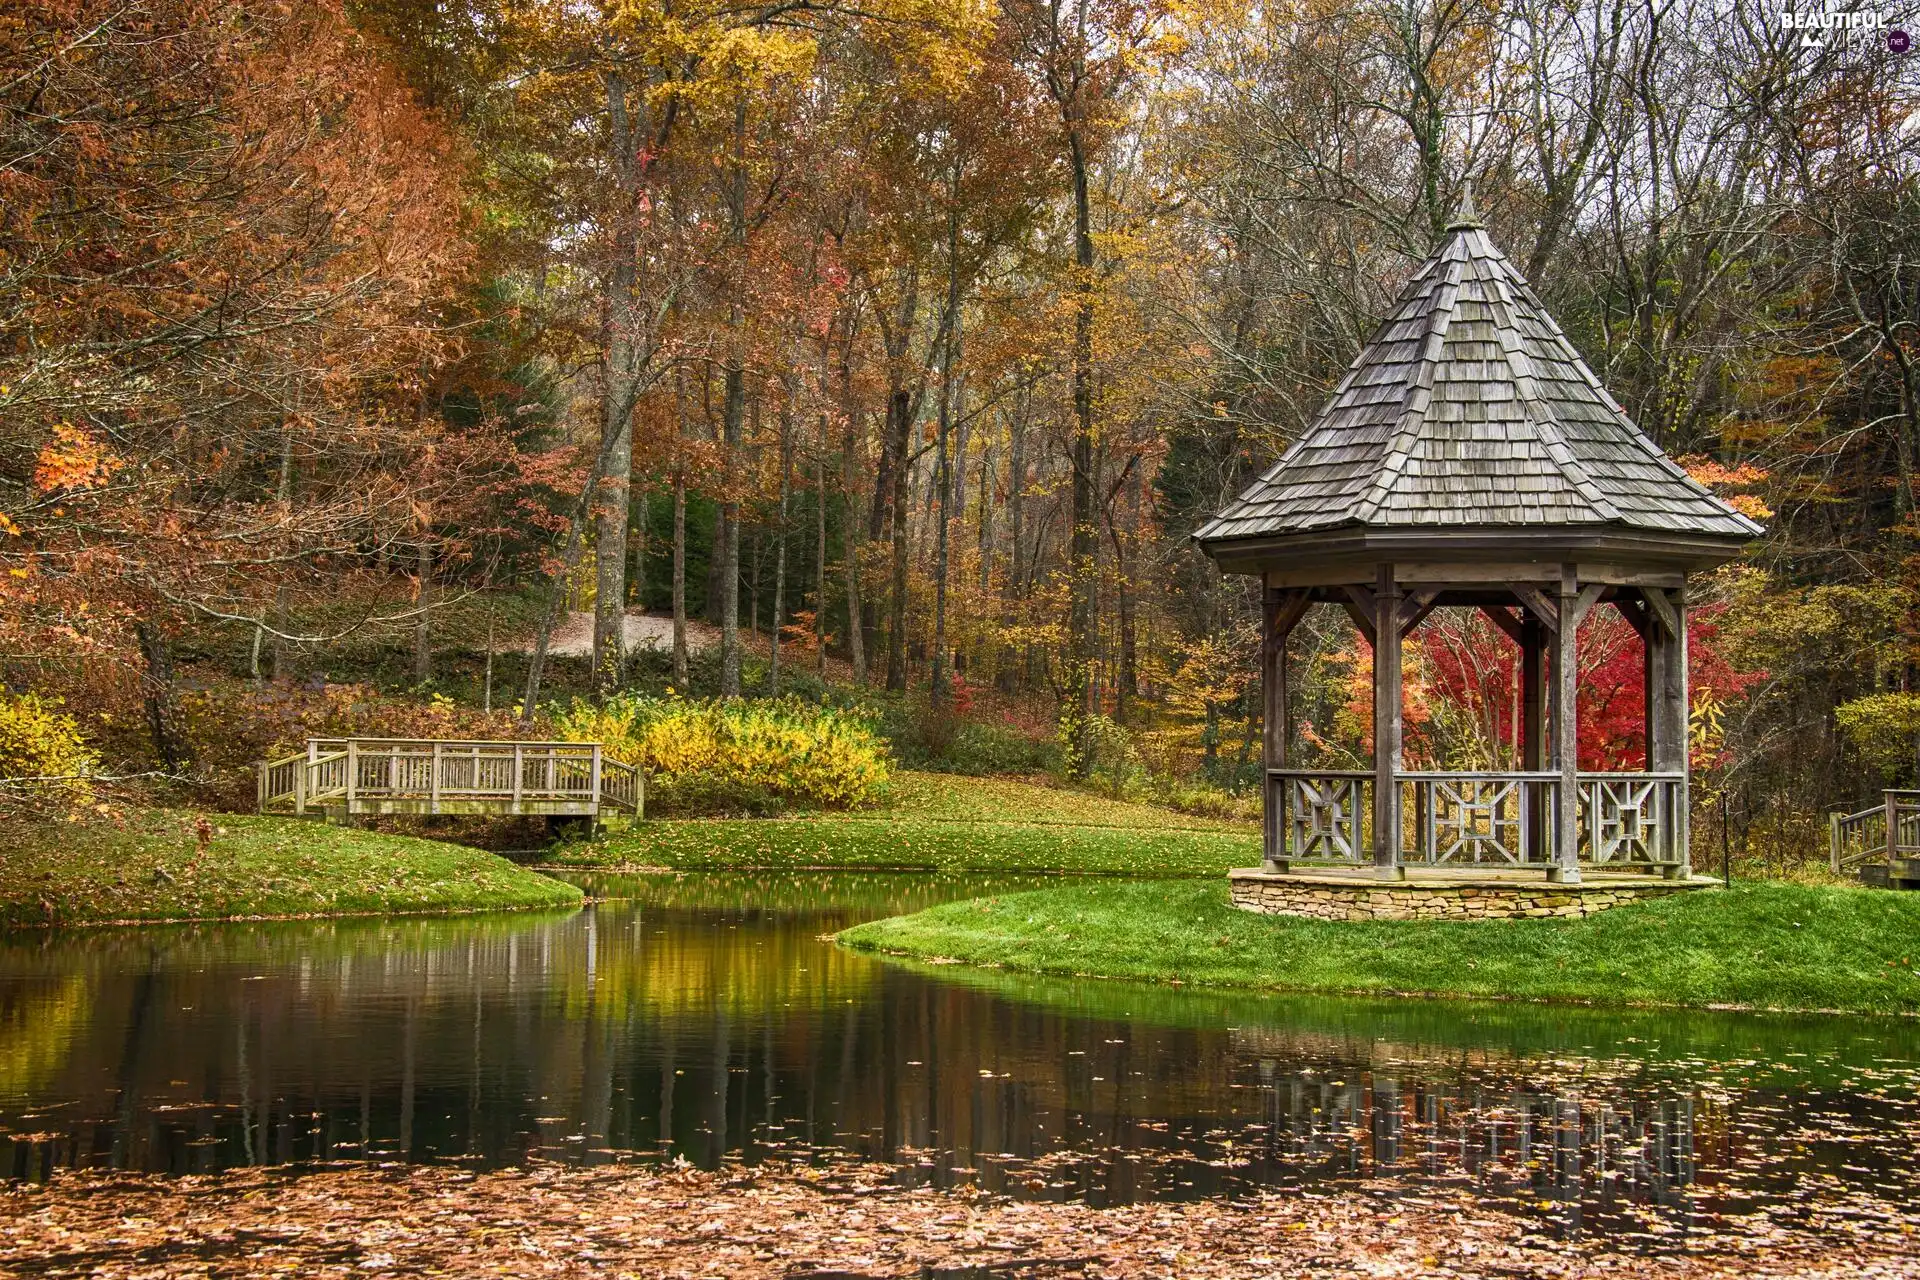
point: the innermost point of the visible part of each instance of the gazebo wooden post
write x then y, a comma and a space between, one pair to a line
1273, 726
1280, 612
1652, 675
1566, 732
1386, 726
1667, 707
1533, 726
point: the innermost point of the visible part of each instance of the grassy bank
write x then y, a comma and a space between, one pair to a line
151, 866
938, 822
1768, 946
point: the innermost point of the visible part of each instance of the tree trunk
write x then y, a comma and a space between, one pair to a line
162, 719
962, 429
422, 603
558, 591
856, 636
486, 686
556, 601
680, 579
1075, 687
733, 418
985, 516
890, 490
1123, 681
820, 549
641, 535
942, 462
754, 578
1016, 502
780, 553
897, 606
732, 424
618, 394
281, 666
716, 566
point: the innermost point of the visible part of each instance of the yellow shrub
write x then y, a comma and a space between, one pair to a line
785, 749
42, 756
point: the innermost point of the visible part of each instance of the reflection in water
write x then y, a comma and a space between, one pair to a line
706, 1017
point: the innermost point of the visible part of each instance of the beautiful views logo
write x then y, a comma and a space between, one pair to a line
1828, 23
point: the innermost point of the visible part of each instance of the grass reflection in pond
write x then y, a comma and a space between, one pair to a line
1811, 1047
852, 894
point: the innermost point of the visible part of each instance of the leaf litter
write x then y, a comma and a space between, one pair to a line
852, 1221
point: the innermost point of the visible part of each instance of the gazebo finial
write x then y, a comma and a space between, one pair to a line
1466, 217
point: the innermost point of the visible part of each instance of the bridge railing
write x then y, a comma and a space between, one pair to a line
373, 771
1888, 830
623, 786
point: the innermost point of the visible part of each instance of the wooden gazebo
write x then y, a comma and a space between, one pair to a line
1469, 457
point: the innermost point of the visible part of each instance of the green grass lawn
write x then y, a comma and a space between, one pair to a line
149, 867
939, 822
950, 798
1766, 946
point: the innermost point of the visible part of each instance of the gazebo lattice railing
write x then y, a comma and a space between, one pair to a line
1481, 819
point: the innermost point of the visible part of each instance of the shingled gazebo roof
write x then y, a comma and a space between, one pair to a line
1469, 414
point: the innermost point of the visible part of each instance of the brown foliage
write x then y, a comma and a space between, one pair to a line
228, 727
224, 229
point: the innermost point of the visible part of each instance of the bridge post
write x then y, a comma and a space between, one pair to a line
519, 775
433, 780
595, 791
353, 773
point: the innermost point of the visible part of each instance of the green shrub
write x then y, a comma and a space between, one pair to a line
1885, 730
43, 759
1113, 761
948, 740
708, 756
980, 748
1202, 799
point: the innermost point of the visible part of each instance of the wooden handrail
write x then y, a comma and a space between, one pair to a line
426, 775
453, 742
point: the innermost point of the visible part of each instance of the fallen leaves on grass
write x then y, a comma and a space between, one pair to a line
855, 1222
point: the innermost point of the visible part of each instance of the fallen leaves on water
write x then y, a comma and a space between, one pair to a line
852, 1222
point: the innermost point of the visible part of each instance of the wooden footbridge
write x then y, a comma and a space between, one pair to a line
1880, 844
343, 779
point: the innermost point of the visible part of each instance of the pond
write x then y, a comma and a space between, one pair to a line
707, 1018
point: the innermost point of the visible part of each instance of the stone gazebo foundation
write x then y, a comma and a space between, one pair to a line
1477, 894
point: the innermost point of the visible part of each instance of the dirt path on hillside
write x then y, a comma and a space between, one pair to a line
573, 638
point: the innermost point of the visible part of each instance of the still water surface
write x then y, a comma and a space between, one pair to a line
705, 1017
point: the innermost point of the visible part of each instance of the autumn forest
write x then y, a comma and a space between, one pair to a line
899, 348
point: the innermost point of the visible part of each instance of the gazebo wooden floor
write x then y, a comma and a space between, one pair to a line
1474, 877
